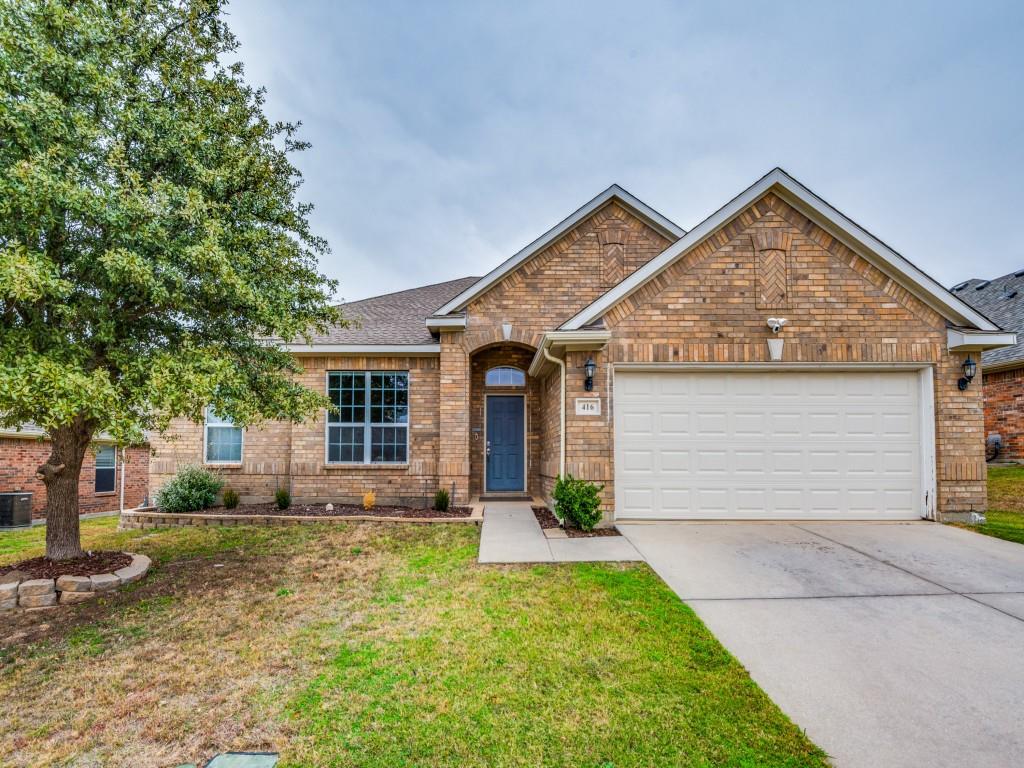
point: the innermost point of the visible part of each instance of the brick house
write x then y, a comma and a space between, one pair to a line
1002, 300
99, 484
481, 385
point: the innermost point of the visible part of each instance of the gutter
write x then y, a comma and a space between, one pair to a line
561, 450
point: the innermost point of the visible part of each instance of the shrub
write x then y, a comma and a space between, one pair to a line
578, 502
283, 498
192, 489
369, 500
442, 500
230, 498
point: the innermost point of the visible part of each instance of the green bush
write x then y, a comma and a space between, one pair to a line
283, 498
578, 502
192, 489
230, 498
442, 500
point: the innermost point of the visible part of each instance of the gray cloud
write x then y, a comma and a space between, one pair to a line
446, 135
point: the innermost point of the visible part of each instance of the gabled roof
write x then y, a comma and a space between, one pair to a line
823, 214
663, 225
392, 319
1002, 300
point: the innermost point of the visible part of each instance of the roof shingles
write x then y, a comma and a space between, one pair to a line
1002, 301
394, 318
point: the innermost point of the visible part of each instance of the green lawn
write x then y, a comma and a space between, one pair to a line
1005, 516
363, 645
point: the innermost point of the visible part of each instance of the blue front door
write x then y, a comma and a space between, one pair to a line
505, 443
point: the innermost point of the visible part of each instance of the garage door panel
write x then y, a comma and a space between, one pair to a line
768, 445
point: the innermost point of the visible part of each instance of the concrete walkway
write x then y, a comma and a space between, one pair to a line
890, 644
511, 534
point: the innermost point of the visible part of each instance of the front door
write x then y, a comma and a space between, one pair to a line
505, 443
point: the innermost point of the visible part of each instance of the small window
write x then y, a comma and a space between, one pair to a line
223, 440
505, 376
371, 423
106, 469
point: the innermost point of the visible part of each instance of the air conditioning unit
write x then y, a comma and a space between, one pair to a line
15, 510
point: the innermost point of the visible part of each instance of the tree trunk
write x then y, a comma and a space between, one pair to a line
60, 476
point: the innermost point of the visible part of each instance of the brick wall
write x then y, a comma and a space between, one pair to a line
570, 273
20, 457
705, 308
1004, 410
282, 455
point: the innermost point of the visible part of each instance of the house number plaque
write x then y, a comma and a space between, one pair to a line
588, 406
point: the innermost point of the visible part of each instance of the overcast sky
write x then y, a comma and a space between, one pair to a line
447, 135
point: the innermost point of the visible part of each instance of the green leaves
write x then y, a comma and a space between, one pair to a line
150, 233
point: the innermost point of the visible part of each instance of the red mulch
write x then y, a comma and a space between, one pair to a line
93, 564
340, 510
547, 519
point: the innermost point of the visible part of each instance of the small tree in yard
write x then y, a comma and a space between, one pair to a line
150, 235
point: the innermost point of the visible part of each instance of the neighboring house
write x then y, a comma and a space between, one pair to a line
1002, 300
99, 484
480, 385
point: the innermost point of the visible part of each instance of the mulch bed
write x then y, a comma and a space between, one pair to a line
340, 510
93, 564
546, 518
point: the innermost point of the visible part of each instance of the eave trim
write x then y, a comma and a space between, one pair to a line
664, 225
823, 214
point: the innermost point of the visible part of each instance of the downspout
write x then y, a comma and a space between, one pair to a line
123, 467
561, 452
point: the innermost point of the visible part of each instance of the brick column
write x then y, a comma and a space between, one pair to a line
959, 439
453, 463
589, 439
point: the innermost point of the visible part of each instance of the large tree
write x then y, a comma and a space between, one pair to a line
150, 235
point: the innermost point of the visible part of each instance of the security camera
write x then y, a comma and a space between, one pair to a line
776, 323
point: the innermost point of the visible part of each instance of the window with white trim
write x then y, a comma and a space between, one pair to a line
223, 440
106, 469
371, 425
505, 376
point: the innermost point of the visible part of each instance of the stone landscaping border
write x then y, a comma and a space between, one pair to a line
155, 519
40, 594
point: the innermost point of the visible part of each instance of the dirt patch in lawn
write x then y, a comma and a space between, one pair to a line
340, 510
93, 564
546, 518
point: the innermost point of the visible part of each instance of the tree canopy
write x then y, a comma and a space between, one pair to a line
151, 238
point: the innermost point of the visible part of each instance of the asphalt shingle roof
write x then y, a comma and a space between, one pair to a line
1002, 301
394, 318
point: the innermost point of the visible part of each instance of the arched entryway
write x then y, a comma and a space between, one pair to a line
504, 421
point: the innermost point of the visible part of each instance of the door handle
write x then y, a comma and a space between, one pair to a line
488, 447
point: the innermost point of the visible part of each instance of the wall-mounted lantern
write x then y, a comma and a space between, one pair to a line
775, 344
589, 369
970, 368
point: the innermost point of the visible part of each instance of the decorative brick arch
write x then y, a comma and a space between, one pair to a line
476, 340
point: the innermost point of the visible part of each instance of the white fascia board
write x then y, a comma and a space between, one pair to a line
560, 342
961, 340
658, 221
448, 321
823, 214
363, 349
1001, 366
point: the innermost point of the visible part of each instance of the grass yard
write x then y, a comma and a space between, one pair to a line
371, 645
1005, 516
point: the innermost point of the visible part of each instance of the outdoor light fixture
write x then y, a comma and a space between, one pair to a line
775, 343
970, 368
589, 369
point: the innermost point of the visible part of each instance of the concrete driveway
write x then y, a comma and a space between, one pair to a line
890, 644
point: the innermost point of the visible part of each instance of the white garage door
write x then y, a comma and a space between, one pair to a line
759, 445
